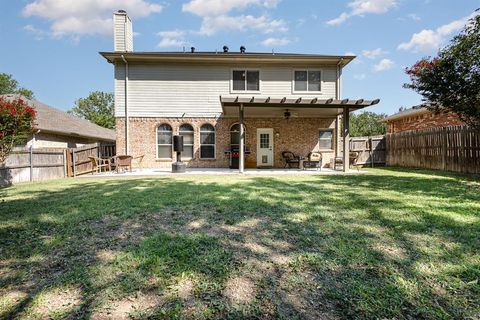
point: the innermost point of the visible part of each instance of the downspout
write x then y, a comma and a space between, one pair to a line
126, 106
338, 96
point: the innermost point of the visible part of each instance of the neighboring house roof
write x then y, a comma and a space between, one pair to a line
228, 57
53, 120
413, 111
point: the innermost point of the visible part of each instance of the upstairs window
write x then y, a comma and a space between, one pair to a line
164, 141
207, 142
246, 80
325, 139
186, 131
308, 80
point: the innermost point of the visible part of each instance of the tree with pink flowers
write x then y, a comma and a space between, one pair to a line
17, 122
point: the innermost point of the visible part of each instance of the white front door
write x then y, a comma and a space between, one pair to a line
264, 147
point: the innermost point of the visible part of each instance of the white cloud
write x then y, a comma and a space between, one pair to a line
85, 17
429, 40
275, 42
414, 17
215, 7
372, 54
173, 38
216, 16
212, 25
38, 33
384, 65
361, 76
362, 7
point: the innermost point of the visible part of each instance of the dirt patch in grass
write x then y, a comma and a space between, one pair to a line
239, 290
56, 303
137, 305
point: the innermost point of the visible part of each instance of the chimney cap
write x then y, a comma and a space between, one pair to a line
242, 49
225, 49
122, 11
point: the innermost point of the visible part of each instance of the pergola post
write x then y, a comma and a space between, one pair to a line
346, 139
241, 162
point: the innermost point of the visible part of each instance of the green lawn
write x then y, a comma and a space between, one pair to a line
388, 244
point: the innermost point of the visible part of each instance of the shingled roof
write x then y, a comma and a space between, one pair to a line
53, 120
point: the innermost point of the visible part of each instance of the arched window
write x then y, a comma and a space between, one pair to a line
235, 134
207, 142
164, 141
186, 131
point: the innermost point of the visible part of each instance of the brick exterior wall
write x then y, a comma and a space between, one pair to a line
423, 121
299, 135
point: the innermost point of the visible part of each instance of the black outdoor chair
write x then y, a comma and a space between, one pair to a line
290, 159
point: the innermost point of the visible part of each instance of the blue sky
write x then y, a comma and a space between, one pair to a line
51, 46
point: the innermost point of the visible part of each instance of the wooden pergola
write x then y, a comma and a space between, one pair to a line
315, 107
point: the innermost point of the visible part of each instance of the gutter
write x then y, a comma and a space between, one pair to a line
126, 106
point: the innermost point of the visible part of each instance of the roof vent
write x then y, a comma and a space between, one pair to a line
122, 11
242, 49
225, 49
192, 49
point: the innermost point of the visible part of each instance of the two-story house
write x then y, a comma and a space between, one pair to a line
259, 103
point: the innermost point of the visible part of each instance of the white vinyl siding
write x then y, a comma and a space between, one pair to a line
122, 33
185, 90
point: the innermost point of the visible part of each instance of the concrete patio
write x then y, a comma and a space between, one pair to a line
222, 171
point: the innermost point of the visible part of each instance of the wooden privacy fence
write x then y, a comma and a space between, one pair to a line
33, 165
371, 150
451, 149
78, 162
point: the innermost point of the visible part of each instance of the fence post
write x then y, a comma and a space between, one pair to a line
370, 141
64, 163
31, 163
444, 149
73, 163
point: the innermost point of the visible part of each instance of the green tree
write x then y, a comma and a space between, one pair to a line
9, 85
451, 81
367, 124
16, 124
97, 107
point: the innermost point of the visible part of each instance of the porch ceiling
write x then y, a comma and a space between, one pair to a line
257, 106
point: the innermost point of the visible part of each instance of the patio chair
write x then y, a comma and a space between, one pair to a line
123, 161
290, 159
353, 157
314, 160
99, 163
139, 160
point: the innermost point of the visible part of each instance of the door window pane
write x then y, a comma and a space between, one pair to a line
264, 140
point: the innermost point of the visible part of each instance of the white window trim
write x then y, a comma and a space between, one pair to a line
306, 91
333, 139
246, 91
192, 144
205, 144
157, 144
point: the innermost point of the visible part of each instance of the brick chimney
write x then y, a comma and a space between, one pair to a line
122, 32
